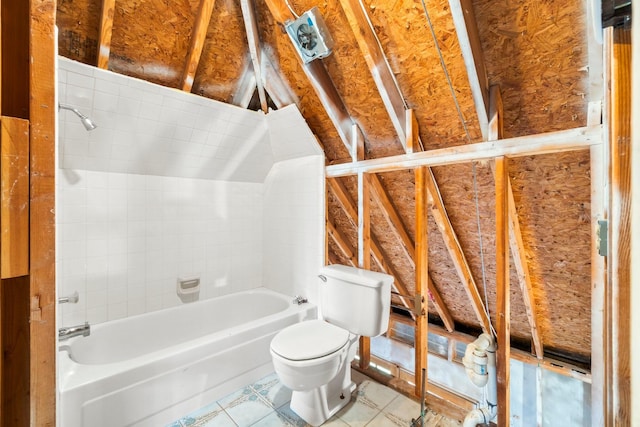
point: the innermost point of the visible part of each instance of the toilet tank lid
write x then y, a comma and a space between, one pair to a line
356, 275
309, 340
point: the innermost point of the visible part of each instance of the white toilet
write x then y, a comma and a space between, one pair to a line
313, 358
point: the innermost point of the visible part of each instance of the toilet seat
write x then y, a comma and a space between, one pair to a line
309, 340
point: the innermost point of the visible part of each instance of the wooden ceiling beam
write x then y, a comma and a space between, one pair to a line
253, 38
106, 26
455, 251
495, 132
198, 36
469, 39
545, 143
378, 65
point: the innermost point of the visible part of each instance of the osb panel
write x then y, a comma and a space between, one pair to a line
278, 47
225, 53
552, 194
536, 51
407, 40
78, 24
151, 39
352, 78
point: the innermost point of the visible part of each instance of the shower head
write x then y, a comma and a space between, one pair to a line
86, 121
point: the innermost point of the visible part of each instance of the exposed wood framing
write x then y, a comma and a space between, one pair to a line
14, 187
471, 47
251, 26
617, 363
198, 35
378, 64
422, 275
106, 25
503, 315
342, 243
42, 213
455, 251
515, 236
364, 250
404, 122
544, 143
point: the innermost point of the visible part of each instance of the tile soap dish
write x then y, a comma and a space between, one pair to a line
188, 289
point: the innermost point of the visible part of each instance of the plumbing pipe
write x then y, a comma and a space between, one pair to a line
480, 364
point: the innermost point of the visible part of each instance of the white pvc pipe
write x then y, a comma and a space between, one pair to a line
480, 364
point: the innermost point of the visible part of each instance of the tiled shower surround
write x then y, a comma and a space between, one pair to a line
174, 185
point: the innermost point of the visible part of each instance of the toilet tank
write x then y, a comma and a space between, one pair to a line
355, 299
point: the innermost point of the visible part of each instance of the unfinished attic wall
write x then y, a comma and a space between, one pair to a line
169, 185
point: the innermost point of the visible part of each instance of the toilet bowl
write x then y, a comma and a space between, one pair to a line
313, 358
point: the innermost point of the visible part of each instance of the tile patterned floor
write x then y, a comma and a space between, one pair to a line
266, 404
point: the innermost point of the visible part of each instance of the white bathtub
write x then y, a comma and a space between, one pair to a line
151, 369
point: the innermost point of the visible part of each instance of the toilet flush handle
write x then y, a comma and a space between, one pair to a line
323, 278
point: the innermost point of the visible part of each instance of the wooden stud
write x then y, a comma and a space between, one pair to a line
364, 250
471, 47
413, 142
376, 60
42, 211
106, 26
598, 271
422, 273
515, 235
198, 36
618, 257
503, 315
14, 186
253, 38
455, 251
530, 145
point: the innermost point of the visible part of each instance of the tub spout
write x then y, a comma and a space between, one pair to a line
299, 300
74, 331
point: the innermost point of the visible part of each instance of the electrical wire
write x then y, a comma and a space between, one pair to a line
291, 9
468, 135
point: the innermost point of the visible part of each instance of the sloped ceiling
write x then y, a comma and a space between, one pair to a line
535, 51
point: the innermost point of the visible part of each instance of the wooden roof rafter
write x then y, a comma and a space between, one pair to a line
106, 27
255, 49
343, 244
198, 36
245, 88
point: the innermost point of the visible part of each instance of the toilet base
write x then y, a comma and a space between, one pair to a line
318, 405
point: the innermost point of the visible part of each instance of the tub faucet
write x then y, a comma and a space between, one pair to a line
299, 300
74, 331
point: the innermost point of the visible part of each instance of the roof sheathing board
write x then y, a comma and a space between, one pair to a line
536, 51
79, 23
225, 53
151, 39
